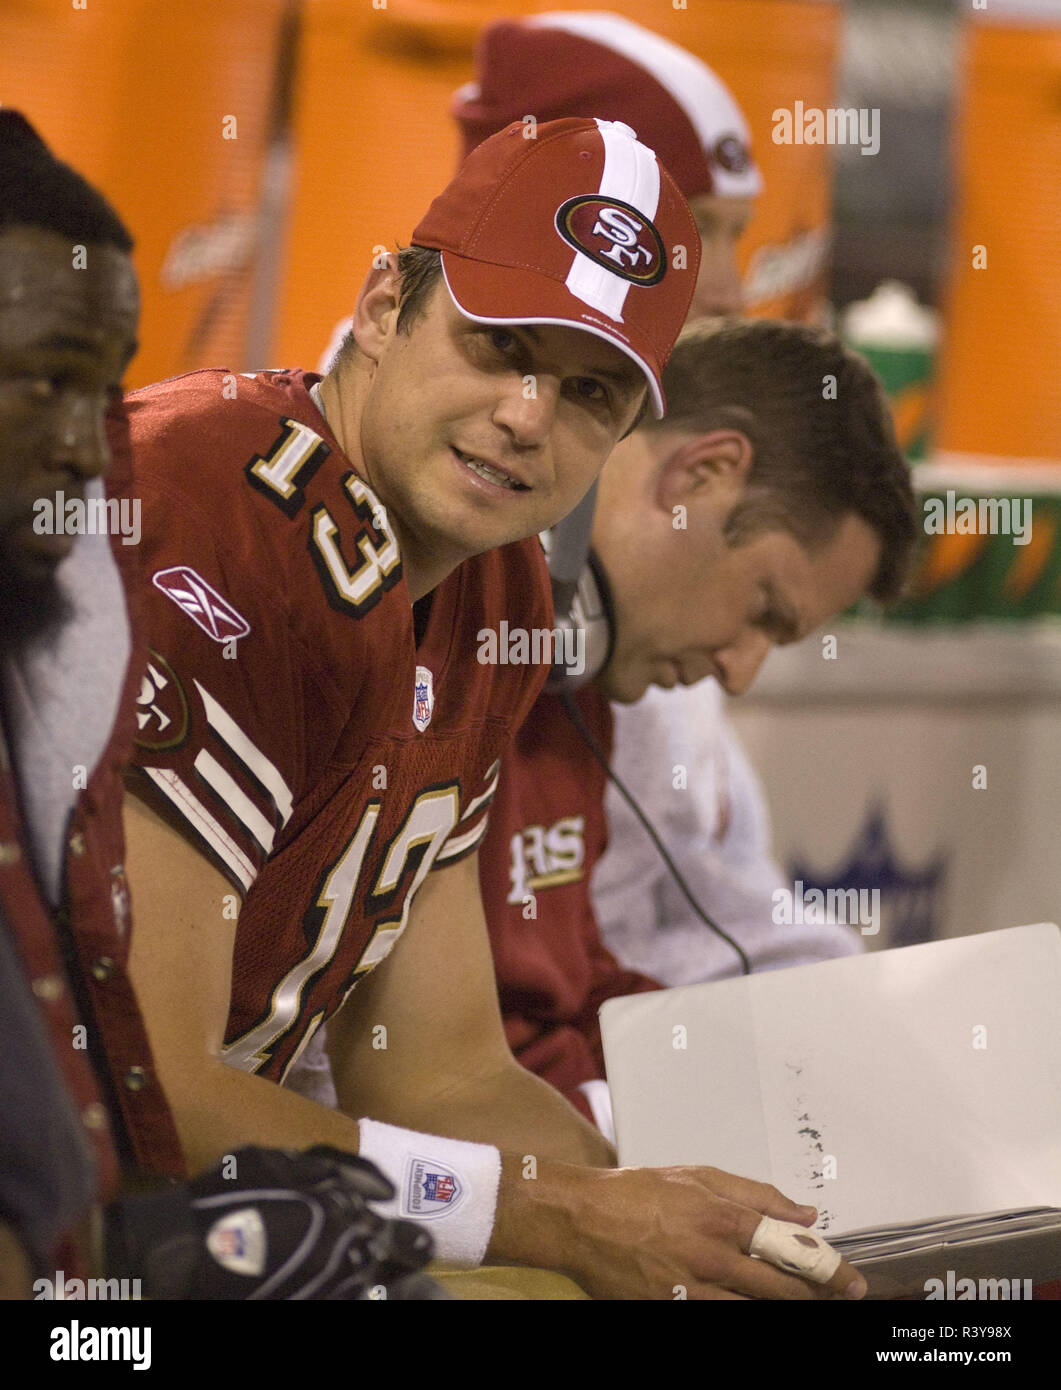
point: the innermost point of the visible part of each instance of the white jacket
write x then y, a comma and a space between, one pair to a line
716, 829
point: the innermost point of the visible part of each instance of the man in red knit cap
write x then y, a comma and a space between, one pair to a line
600, 64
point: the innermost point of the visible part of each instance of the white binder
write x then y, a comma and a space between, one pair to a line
898, 1089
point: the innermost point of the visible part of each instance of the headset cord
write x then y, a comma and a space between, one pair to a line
575, 715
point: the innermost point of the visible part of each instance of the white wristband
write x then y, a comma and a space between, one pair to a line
449, 1184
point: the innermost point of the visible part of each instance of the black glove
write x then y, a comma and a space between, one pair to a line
280, 1225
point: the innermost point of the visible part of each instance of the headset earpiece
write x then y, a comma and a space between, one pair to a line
581, 601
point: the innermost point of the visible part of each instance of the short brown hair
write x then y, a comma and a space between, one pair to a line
819, 423
419, 269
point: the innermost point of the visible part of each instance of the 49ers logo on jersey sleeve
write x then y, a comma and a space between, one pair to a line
615, 235
161, 707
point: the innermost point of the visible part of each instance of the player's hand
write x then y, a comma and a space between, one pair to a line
270, 1224
666, 1233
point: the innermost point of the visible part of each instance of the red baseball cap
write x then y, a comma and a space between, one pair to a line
569, 62
573, 222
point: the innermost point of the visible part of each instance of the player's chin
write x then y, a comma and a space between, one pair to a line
469, 532
503, 536
623, 683
487, 522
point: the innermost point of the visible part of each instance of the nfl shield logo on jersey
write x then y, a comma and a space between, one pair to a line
423, 698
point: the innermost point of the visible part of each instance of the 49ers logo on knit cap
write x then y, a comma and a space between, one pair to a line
733, 154
615, 235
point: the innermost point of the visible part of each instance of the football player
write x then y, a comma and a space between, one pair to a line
319, 744
560, 64
79, 1097
68, 322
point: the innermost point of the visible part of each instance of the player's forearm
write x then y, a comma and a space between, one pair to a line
509, 1108
551, 1218
218, 1109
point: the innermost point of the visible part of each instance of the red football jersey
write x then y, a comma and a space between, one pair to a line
547, 830
291, 724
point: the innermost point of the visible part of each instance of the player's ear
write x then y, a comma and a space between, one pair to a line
698, 465
376, 311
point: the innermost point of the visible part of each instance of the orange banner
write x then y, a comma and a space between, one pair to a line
1000, 378
166, 109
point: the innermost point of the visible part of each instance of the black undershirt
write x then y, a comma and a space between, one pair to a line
421, 617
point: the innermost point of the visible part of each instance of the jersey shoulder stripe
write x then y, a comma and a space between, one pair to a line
240, 829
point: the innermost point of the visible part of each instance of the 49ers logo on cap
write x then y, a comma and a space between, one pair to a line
615, 235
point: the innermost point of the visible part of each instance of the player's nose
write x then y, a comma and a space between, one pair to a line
739, 663
526, 408
78, 437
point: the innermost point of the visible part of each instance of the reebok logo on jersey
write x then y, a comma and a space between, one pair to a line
431, 1189
202, 603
